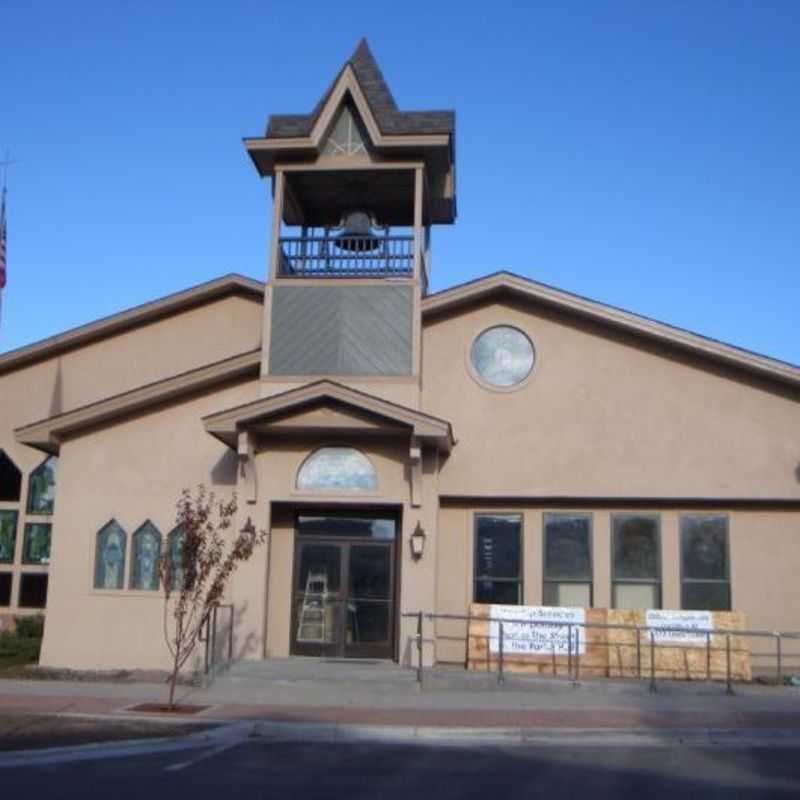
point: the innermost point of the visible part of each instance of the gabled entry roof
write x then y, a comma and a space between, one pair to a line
507, 284
226, 425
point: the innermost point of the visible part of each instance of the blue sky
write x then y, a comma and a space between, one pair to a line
658, 167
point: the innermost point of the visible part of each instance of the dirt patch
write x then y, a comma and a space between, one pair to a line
19, 731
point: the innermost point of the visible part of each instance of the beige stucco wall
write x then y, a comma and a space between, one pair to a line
131, 471
764, 551
160, 349
605, 415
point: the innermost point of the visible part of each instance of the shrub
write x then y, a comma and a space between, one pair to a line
30, 627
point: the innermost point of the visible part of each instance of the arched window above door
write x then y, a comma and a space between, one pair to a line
332, 469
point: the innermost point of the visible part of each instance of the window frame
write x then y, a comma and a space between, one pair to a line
577, 581
684, 580
520, 579
15, 513
29, 510
23, 577
658, 582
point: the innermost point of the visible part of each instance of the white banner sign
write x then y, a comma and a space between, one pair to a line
692, 625
522, 638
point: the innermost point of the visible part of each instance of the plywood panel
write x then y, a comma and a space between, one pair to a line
613, 652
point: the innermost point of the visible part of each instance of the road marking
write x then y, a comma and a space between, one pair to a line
209, 754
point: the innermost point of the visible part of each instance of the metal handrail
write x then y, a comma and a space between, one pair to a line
209, 624
778, 636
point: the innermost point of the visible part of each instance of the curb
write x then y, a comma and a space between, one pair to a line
540, 737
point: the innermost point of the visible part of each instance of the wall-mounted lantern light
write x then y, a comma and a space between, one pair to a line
417, 542
249, 528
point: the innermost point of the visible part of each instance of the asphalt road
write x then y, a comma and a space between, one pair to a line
262, 769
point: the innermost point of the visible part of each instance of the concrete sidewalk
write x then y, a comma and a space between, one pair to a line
379, 694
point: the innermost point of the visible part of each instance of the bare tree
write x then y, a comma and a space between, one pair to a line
195, 576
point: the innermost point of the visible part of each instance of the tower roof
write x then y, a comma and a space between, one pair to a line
379, 98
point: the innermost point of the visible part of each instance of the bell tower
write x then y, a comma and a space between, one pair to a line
357, 185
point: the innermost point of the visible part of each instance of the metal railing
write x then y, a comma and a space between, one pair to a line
574, 634
348, 257
208, 634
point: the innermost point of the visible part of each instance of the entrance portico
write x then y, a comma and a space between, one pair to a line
341, 479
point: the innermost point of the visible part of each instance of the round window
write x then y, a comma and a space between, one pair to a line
502, 356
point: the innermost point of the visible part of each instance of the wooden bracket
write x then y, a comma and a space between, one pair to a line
415, 467
247, 466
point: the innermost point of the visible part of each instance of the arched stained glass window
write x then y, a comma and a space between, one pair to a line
146, 555
42, 487
175, 541
331, 469
109, 563
10, 479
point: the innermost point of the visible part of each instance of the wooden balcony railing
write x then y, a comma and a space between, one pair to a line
349, 257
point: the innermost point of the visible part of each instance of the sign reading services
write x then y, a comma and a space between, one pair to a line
684, 628
549, 637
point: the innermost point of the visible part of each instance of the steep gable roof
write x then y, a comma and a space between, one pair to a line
232, 284
379, 98
509, 284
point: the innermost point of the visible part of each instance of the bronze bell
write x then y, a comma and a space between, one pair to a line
357, 234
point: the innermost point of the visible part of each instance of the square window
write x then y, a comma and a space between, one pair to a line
36, 545
33, 590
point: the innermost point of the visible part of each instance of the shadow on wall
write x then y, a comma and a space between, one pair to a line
223, 473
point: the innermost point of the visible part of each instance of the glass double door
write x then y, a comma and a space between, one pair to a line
343, 598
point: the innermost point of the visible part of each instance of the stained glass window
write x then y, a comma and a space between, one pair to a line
10, 480
502, 356
337, 469
8, 535
175, 541
42, 487
36, 545
109, 565
637, 561
705, 564
146, 555
345, 138
568, 560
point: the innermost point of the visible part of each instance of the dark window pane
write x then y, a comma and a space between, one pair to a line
369, 527
42, 487
36, 546
5, 588
500, 592
635, 547
10, 480
320, 569
498, 547
567, 551
8, 535
33, 591
702, 596
704, 547
367, 622
370, 571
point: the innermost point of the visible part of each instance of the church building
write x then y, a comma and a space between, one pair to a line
501, 441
